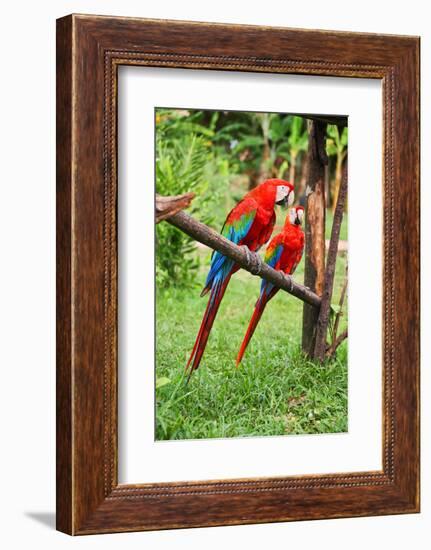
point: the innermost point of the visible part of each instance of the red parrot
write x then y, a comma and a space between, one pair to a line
284, 252
249, 223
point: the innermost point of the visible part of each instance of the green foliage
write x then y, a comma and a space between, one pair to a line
284, 135
298, 135
336, 147
185, 161
162, 381
180, 167
336, 143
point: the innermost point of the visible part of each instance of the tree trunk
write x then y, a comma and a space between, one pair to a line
314, 272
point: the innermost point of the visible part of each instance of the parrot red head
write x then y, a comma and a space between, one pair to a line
278, 191
296, 215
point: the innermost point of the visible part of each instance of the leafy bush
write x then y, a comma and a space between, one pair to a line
185, 161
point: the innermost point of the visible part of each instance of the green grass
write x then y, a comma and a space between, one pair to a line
275, 391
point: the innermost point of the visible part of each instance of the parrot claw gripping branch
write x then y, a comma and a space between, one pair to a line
254, 261
248, 227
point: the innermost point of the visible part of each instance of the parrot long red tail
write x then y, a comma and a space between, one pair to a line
257, 314
217, 293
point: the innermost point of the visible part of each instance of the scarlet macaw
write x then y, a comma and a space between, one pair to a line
284, 252
249, 223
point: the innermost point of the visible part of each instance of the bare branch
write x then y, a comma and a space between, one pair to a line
334, 346
167, 206
340, 304
322, 323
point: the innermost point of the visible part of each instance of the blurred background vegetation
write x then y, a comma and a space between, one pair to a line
220, 155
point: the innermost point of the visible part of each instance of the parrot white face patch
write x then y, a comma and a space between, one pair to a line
300, 214
282, 191
291, 198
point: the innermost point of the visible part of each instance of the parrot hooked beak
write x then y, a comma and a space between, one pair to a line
285, 196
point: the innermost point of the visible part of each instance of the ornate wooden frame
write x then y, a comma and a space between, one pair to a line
89, 51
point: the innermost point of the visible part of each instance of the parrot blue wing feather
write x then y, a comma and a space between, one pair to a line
272, 257
235, 231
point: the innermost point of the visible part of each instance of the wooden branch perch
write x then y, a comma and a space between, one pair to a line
214, 240
167, 206
322, 322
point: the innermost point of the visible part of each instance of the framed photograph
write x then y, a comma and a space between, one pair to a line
237, 308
